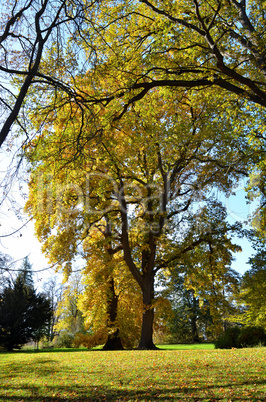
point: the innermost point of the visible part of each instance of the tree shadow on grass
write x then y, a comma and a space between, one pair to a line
48, 350
96, 392
59, 350
65, 388
44, 367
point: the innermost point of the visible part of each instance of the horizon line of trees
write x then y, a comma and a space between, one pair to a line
60, 315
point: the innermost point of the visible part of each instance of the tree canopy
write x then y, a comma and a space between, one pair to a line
154, 200
139, 45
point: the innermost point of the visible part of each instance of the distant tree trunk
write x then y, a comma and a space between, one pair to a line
146, 340
193, 320
195, 335
114, 341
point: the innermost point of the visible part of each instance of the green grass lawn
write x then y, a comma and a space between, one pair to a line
163, 375
189, 346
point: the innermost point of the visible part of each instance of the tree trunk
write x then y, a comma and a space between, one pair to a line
195, 335
114, 341
194, 328
146, 341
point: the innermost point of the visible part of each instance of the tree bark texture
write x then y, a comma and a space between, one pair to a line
146, 340
113, 341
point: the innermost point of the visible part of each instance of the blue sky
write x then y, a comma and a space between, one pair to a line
239, 210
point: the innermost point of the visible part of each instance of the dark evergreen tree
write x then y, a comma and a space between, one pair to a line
23, 312
25, 275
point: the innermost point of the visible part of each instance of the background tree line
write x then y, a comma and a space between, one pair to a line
76, 314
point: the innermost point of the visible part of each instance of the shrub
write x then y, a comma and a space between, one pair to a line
251, 336
45, 344
90, 341
65, 341
228, 339
238, 338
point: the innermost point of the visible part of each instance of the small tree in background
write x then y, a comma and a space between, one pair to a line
253, 292
251, 298
54, 292
191, 318
23, 312
201, 284
69, 319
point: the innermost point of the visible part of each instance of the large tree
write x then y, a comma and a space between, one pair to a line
147, 174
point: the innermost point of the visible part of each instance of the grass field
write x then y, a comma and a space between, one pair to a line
163, 375
189, 346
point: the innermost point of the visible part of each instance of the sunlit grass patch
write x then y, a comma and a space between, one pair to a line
181, 375
189, 346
